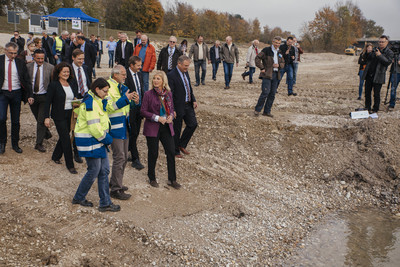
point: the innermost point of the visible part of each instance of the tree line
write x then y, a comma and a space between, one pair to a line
332, 29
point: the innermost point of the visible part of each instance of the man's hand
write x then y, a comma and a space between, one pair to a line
31, 100
55, 56
247, 64
398, 62
150, 70
195, 105
275, 66
264, 69
136, 98
130, 95
378, 52
287, 51
47, 122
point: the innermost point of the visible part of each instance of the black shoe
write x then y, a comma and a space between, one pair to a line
293, 94
40, 148
124, 188
174, 184
214, 79
73, 171
197, 84
48, 135
129, 158
2, 148
203, 83
56, 161
77, 158
137, 165
111, 207
121, 195
153, 183
17, 149
84, 202
359, 98
243, 76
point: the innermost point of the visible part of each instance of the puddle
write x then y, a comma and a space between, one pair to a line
364, 238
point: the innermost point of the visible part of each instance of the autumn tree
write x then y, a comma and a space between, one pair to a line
255, 29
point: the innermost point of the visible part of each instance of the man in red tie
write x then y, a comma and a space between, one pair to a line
184, 104
15, 87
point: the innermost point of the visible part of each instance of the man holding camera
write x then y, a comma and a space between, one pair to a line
375, 72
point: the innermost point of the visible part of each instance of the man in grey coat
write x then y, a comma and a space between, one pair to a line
40, 73
199, 52
229, 53
375, 72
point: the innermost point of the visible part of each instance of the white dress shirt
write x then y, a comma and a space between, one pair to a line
83, 77
14, 75
42, 90
69, 96
275, 56
123, 44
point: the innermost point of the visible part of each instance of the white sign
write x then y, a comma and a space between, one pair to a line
76, 24
364, 114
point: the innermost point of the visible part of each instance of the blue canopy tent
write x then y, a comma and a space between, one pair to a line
66, 14
70, 14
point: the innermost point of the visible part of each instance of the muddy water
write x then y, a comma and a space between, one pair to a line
364, 238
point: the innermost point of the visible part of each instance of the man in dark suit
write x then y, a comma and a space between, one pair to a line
19, 41
169, 55
15, 87
89, 52
47, 44
81, 72
184, 104
100, 45
95, 44
41, 72
134, 81
123, 51
138, 38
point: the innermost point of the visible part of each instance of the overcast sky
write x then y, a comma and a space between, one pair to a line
291, 14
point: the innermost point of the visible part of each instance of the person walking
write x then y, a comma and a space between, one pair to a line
200, 54
111, 45
215, 58
60, 94
229, 53
168, 57
147, 53
92, 138
252, 52
158, 111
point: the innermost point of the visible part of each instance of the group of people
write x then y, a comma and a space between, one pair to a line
374, 62
92, 116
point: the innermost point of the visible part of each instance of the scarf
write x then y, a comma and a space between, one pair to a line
166, 103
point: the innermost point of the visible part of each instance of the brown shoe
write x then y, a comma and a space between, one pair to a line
153, 183
184, 151
174, 184
121, 195
178, 156
40, 148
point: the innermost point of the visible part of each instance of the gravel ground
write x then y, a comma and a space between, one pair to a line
252, 188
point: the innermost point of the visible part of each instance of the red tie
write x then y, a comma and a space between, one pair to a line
9, 76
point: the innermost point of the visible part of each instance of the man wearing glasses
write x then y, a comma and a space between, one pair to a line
19, 41
375, 72
168, 57
15, 87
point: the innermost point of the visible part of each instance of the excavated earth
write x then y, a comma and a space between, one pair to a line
252, 187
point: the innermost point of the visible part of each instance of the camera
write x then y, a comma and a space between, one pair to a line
395, 47
375, 49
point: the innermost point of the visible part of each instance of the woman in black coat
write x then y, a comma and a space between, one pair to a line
60, 93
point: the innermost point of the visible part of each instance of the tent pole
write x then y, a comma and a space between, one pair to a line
98, 28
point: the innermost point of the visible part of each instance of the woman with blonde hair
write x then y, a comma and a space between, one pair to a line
363, 62
158, 110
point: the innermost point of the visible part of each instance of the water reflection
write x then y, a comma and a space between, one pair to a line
364, 238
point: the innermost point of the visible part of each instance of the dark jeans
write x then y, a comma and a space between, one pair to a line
145, 76
12, 99
197, 65
98, 60
361, 84
135, 121
37, 109
250, 73
189, 117
63, 145
164, 135
369, 86
289, 79
228, 70
395, 79
110, 59
215, 66
268, 91
96, 168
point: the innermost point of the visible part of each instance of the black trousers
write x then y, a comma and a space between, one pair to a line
37, 109
164, 135
135, 121
63, 145
12, 99
369, 86
189, 117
